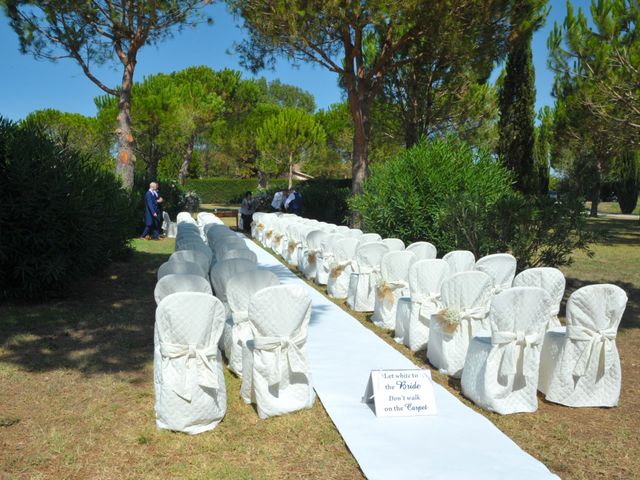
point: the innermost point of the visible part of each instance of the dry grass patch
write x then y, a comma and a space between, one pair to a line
77, 396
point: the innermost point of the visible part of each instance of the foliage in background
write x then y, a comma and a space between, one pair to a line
458, 197
518, 94
410, 194
218, 190
99, 32
628, 181
326, 200
64, 215
289, 138
76, 132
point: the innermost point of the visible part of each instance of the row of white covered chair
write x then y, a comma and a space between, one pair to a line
263, 345
445, 305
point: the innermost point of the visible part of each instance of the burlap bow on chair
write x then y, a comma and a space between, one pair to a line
384, 290
269, 233
277, 239
291, 246
450, 318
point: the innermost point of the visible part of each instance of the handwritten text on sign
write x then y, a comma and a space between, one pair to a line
401, 393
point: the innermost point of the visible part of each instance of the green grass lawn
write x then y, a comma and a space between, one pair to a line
612, 207
77, 392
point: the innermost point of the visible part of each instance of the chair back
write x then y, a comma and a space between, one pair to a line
460, 261
549, 279
596, 307
394, 266
293, 310
195, 256
423, 250
426, 277
174, 283
181, 268
238, 253
242, 286
369, 238
501, 267
394, 244
224, 270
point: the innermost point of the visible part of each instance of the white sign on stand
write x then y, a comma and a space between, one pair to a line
401, 393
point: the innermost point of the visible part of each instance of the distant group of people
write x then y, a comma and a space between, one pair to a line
285, 200
152, 213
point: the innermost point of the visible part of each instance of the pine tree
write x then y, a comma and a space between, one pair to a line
518, 95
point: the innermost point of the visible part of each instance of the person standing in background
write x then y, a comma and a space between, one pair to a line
278, 201
246, 211
151, 213
293, 203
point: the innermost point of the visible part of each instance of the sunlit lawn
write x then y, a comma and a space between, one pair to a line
77, 393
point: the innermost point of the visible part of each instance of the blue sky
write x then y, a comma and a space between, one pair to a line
28, 84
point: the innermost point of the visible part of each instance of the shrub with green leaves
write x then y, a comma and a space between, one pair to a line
173, 196
63, 216
411, 195
456, 197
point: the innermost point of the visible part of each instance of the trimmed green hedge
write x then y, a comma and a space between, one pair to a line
221, 190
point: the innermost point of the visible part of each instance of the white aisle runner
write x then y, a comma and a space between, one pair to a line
457, 443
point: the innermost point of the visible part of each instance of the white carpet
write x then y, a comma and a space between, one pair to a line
457, 443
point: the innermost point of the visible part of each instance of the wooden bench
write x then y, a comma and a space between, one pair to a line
226, 212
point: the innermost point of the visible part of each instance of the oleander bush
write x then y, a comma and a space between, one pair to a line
457, 197
63, 215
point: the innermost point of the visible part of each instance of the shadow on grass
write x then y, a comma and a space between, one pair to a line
611, 231
106, 327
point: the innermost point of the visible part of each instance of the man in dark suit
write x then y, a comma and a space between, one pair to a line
151, 213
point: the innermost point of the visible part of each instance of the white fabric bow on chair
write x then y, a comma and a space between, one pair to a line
290, 346
600, 343
513, 345
240, 327
204, 369
428, 298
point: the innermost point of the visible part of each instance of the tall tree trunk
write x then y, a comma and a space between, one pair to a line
125, 166
360, 108
595, 191
290, 171
186, 160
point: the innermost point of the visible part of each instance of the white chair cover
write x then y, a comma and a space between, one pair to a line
344, 262
369, 238
501, 370
222, 272
354, 232
275, 375
501, 267
238, 253
361, 296
326, 257
550, 280
257, 226
414, 312
460, 261
240, 289
195, 256
423, 250
170, 228
185, 217
309, 263
465, 296
394, 244
393, 284
580, 365
294, 241
189, 383
184, 268
180, 283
